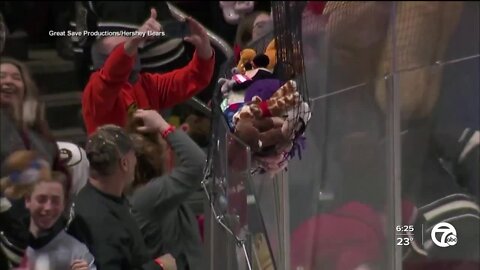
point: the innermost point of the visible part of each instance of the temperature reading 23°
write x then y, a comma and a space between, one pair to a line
404, 241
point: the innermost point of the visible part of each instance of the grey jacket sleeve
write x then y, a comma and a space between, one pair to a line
168, 192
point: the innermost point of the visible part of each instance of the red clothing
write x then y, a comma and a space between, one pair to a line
316, 7
341, 240
108, 93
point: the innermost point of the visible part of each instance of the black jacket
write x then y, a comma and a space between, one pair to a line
104, 223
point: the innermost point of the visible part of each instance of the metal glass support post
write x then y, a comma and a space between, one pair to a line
393, 215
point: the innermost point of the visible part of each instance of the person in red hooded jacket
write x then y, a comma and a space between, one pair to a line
118, 86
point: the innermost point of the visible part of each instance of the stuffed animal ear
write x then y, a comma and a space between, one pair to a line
271, 53
256, 99
246, 56
261, 61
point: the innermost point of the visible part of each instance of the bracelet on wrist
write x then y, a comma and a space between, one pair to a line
167, 131
159, 262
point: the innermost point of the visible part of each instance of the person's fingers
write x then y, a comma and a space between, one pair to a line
79, 265
194, 24
153, 24
195, 27
142, 129
139, 114
156, 26
153, 13
193, 40
79, 262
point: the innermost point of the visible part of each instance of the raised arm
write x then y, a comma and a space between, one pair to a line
104, 87
171, 88
168, 192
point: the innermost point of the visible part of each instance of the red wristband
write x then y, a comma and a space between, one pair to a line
169, 130
159, 262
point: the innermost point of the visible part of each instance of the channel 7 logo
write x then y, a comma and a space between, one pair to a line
447, 234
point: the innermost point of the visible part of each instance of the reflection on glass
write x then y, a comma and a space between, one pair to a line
440, 167
335, 196
429, 54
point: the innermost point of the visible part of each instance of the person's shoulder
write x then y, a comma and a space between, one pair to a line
87, 203
84, 197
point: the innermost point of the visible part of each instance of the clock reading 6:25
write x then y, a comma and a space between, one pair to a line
404, 228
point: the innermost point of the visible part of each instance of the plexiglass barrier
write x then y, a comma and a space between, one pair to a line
395, 93
389, 177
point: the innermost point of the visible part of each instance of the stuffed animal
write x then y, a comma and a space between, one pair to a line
261, 133
246, 60
264, 89
283, 99
261, 124
24, 168
232, 84
259, 73
278, 104
250, 60
271, 53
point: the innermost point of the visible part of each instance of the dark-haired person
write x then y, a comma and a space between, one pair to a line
102, 215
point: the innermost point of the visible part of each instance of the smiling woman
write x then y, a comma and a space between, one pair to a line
12, 90
23, 124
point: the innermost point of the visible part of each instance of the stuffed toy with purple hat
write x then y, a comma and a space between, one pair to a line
264, 89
